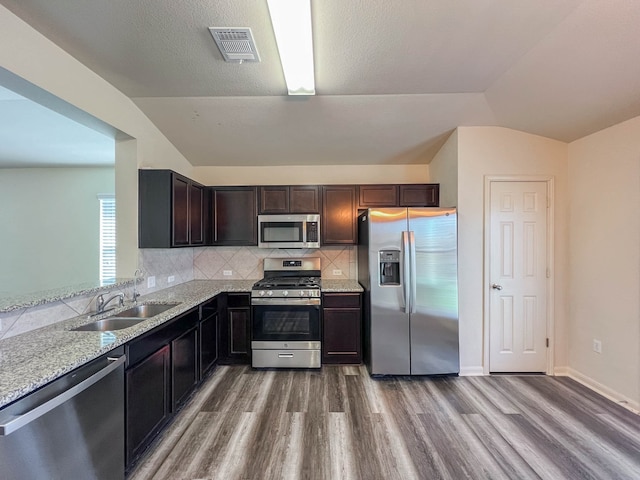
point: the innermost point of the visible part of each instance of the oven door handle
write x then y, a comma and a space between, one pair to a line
286, 301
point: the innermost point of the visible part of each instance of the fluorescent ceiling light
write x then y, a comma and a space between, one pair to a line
291, 20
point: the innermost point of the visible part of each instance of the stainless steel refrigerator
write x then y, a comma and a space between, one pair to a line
408, 266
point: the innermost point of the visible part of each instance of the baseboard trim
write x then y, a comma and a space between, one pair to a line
603, 390
561, 371
471, 372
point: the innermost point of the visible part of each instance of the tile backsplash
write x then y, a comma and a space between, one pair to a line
27, 319
234, 263
183, 264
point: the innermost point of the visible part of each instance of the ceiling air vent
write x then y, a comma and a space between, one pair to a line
235, 44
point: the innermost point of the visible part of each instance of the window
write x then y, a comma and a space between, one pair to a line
107, 238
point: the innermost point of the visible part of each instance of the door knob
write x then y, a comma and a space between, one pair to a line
495, 286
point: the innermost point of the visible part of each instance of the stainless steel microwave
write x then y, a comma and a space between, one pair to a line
289, 231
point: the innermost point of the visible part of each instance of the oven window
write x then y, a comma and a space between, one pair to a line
293, 323
281, 322
281, 232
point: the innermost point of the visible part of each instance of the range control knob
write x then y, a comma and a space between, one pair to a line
285, 293
262, 293
302, 293
270, 293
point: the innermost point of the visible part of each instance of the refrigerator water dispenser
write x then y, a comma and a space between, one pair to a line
389, 267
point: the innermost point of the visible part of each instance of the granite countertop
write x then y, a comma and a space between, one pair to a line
33, 359
336, 286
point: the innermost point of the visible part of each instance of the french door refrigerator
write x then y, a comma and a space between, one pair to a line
408, 266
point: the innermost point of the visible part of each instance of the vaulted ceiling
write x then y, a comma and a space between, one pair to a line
393, 77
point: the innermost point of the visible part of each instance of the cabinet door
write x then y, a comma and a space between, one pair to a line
208, 342
420, 195
184, 366
341, 342
338, 222
239, 333
274, 199
304, 199
377, 196
235, 330
234, 216
180, 187
148, 400
196, 214
341, 328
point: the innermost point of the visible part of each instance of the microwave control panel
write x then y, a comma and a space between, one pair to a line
312, 232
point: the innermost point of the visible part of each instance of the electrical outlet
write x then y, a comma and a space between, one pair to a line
151, 281
597, 346
227, 273
337, 272
171, 279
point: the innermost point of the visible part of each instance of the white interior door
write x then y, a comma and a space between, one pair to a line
518, 276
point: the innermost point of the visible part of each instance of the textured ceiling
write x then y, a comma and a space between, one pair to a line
393, 77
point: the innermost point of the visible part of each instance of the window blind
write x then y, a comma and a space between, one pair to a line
107, 238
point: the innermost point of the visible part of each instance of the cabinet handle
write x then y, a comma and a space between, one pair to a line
285, 355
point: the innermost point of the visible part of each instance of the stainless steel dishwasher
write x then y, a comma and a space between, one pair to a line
72, 428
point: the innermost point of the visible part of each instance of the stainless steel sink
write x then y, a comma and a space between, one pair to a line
108, 324
145, 311
127, 318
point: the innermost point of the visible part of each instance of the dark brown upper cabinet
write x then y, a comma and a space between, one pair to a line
289, 199
426, 195
234, 216
338, 221
172, 210
377, 196
410, 195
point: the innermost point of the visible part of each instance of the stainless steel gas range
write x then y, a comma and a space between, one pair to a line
286, 314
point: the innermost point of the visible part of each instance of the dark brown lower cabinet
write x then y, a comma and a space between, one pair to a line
341, 328
148, 404
235, 330
184, 366
208, 336
162, 369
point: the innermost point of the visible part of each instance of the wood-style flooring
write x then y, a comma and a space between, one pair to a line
338, 423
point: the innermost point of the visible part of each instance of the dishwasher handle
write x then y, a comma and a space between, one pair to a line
18, 421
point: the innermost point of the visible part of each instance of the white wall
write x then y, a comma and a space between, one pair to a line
312, 175
604, 253
50, 221
30, 55
27, 53
444, 170
486, 151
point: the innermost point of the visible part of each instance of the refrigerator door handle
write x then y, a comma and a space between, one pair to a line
406, 271
414, 286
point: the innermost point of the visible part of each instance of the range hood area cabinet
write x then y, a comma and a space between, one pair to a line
285, 199
172, 210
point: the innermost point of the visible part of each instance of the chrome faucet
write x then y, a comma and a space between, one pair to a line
137, 274
101, 303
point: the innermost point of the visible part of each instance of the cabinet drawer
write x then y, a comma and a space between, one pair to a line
149, 342
341, 300
238, 300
